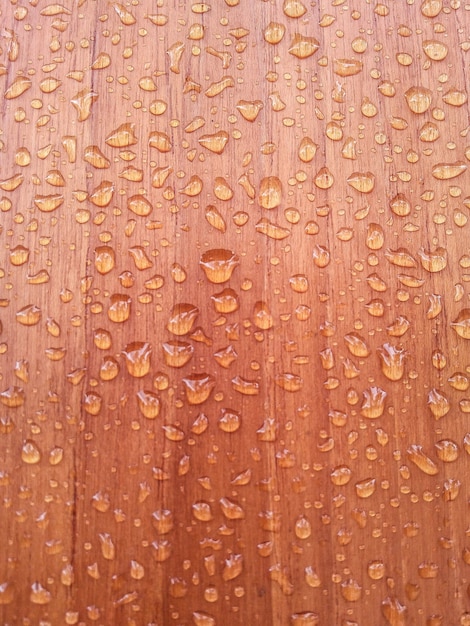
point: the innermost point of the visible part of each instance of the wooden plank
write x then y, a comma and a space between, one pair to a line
235, 313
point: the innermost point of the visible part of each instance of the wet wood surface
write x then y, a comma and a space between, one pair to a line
235, 313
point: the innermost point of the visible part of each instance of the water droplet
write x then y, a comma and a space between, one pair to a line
101, 502
203, 619
102, 195
124, 15
459, 381
447, 450
48, 203
19, 85
163, 521
229, 421
363, 182
365, 488
433, 261
400, 257
279, 574
455, 98
428, 570
219, 264
162, 550
122, 137
356, 345
120, 308
29, 315
108, 549
270, 192
435, 306
182, 318
289, 382
302, 46
274, 32
351, 590
376, 283
93, 155
92, 403
198, 387
245, 386
104, 259
215, 142
324, 179
39, 594
202, 511
417, 456
347, 67
400, 205
418, 99
271, 230
321, 256
376, 569
231, 510
149, 403
438, 404
30, 453
262, 316
447, 171
373, 403
137, 355
307, 618
312, 578
392, 361
177, 353
294, 8
429, 132
82, 102
249, 109
392, 609
303, 528
13, 397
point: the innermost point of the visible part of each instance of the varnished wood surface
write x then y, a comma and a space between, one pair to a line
235, 313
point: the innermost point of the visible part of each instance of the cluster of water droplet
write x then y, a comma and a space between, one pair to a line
234, 312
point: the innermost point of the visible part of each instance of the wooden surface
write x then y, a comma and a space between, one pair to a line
235, 313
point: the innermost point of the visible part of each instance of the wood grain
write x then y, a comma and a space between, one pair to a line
235, 313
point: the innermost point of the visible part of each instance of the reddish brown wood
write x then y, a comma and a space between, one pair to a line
235, 314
